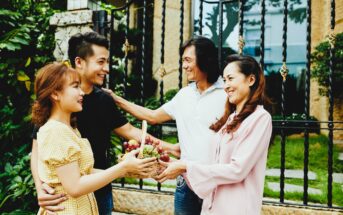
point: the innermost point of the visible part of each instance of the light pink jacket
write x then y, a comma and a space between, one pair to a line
233, 182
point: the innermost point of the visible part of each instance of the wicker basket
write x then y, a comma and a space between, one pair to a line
156, 169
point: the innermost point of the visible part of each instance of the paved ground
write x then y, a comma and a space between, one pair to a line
118, 213
289, 173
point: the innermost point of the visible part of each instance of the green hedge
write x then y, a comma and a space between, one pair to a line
26, 44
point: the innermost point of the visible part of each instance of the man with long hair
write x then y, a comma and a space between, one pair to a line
195, 108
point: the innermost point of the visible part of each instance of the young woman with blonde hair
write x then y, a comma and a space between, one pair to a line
65, 159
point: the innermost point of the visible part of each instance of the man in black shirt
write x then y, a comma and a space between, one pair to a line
89, 55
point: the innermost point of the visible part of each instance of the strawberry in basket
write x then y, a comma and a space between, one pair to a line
131, 145
151, 149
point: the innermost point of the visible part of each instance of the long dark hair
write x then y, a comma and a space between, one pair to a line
206, 56
248, 66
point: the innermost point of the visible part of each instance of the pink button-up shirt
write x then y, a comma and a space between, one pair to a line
233, 181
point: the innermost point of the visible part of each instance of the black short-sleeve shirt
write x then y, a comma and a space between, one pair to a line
96, 122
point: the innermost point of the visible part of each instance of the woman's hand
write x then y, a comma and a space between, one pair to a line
134, 165
173, 169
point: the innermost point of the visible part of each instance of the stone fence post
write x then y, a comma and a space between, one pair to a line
78, 19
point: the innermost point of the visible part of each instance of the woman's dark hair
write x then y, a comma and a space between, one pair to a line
206, 56
49, 79
80, 45
248, 66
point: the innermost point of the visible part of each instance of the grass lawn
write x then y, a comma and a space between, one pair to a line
318, 156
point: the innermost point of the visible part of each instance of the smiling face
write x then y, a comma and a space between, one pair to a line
71, 96
237, 85
95, 68
189, 65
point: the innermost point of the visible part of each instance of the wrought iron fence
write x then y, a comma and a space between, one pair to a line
283, 125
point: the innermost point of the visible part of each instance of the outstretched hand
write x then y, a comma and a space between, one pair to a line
173, 169
173, 149
134, 165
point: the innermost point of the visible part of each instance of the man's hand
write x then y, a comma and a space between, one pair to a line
173, 169
109, 91
48, 200
173, 149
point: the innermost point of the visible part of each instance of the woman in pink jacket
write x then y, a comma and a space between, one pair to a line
233, 182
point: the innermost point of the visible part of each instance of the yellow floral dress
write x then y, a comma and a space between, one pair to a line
58, 145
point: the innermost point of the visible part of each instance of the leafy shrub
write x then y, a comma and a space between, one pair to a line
16, 182
321, 62
26, 44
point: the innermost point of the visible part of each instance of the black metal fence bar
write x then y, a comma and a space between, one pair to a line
143, 51
182, 3
284, 74
162, 50
307, 100
143, 64
220, 34
127, 49
263, 18
331, 103
240, 22
241, 17
283, 146
126, 62
162, 68
111, 79
200, 16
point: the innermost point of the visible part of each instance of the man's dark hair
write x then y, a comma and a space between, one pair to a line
80, 45
206, 56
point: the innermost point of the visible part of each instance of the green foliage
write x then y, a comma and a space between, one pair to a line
26, 44
16, 182
321, 71
17, 37
170, 94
